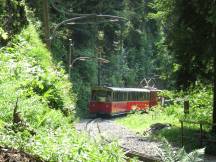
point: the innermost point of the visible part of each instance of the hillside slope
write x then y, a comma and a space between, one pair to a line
41, 93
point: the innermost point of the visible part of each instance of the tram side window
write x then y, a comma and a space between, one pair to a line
133, 96
141, 96
125, 96
101, 96
120, 96
130, 96
147, 96
114, 96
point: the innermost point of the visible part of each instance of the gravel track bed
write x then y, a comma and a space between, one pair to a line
127, 139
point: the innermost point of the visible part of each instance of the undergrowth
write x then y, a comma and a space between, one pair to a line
45, 106
200, 99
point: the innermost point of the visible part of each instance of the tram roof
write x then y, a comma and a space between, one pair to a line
123, 89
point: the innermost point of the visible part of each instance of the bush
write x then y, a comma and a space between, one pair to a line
27, 73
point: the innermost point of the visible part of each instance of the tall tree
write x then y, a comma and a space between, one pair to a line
190, 36
129, 46
46, 22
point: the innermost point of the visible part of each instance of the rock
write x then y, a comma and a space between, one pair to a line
157, 127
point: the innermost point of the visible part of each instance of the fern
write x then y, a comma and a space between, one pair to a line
194, 156
169, 154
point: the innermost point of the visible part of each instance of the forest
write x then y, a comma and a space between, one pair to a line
157, 40
53, 52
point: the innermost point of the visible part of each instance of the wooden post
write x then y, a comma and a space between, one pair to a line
182, 133
201, 135
162, 101
186, 107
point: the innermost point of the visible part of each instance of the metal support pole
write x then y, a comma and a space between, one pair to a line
99, 70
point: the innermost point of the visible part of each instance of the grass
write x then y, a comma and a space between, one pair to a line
139, 122
200, 99
46, 103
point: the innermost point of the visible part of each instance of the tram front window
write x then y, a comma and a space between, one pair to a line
101, 96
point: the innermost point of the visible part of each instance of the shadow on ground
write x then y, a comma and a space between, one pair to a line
191, 139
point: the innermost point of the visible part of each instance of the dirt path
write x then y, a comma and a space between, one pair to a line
13, 155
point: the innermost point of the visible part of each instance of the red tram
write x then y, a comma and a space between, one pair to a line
113, 100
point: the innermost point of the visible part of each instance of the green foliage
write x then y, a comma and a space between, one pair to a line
141, 121
168, 154
12, 19
132, 46
61, 144
3, 34
189, 36
200, 99
32, 67
28, 73
163, 9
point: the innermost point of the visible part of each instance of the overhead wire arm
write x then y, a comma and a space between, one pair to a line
72, 20
78, 14
68, 21
90, 22
111, 16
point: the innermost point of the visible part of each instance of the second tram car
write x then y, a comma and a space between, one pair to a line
113, 100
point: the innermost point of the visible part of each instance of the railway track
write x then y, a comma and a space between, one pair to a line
129, 153
99, 127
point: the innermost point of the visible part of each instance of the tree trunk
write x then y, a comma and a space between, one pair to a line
46, 22
214, 97
214, 81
